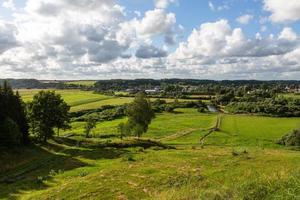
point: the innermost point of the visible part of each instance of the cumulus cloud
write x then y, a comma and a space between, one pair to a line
9, 4
244, 19
218, 39
149, 51
282, 10
7, 36
156, 22
63, 39
216, 48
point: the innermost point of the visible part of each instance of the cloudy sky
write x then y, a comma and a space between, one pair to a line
104, 39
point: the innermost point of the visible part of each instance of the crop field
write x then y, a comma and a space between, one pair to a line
84, 83
84, 100
208, 170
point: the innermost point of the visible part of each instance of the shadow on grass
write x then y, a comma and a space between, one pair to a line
36, 164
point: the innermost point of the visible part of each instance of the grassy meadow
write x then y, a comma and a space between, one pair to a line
84, 100
82, 83
239, 160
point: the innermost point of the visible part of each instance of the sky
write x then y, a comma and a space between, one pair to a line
129, 39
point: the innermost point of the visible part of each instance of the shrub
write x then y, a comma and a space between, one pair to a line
291, 139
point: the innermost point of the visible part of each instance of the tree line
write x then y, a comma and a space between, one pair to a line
40, 117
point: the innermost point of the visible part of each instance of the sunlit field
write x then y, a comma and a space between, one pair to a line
223, 166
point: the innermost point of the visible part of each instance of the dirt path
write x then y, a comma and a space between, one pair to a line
216, 127
178, 134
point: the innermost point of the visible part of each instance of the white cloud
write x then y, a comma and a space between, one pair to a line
219, 40
9, 4
214, 8
288, 34
7, 36
283, 10
244, 19
216, 48
211, 6
148, 51
63, 39
156, 22
163, 3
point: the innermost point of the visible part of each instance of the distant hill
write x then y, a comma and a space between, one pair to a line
23, 83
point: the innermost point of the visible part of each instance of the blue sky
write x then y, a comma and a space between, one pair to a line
70, 39
192, 13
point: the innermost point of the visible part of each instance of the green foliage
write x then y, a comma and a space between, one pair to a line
274, 107
48, 111
291, 139
10, 133
105, 113
13, 120
89, 126
140, 114
123, 129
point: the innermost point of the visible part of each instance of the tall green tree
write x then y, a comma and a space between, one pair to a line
13, 122
89, 126
48, 111
140, 114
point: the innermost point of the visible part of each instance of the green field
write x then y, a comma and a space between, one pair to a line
80, 100
238, 161
259, 169
84, 100
83, 83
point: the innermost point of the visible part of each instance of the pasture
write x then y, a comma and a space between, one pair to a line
239, 160
84, 100
223, 167
80, 100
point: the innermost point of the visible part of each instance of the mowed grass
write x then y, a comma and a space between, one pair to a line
183, 120
243, 130
72, 97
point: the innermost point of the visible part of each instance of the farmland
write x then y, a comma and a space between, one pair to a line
193, 155
83, 100
224, 166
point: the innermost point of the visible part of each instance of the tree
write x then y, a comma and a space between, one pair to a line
123, 129
140, 114
89, 126
48, 111
13, 114
10, 133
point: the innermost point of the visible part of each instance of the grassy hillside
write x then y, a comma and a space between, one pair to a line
239, 161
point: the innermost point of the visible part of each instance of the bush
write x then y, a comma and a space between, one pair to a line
291, 139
